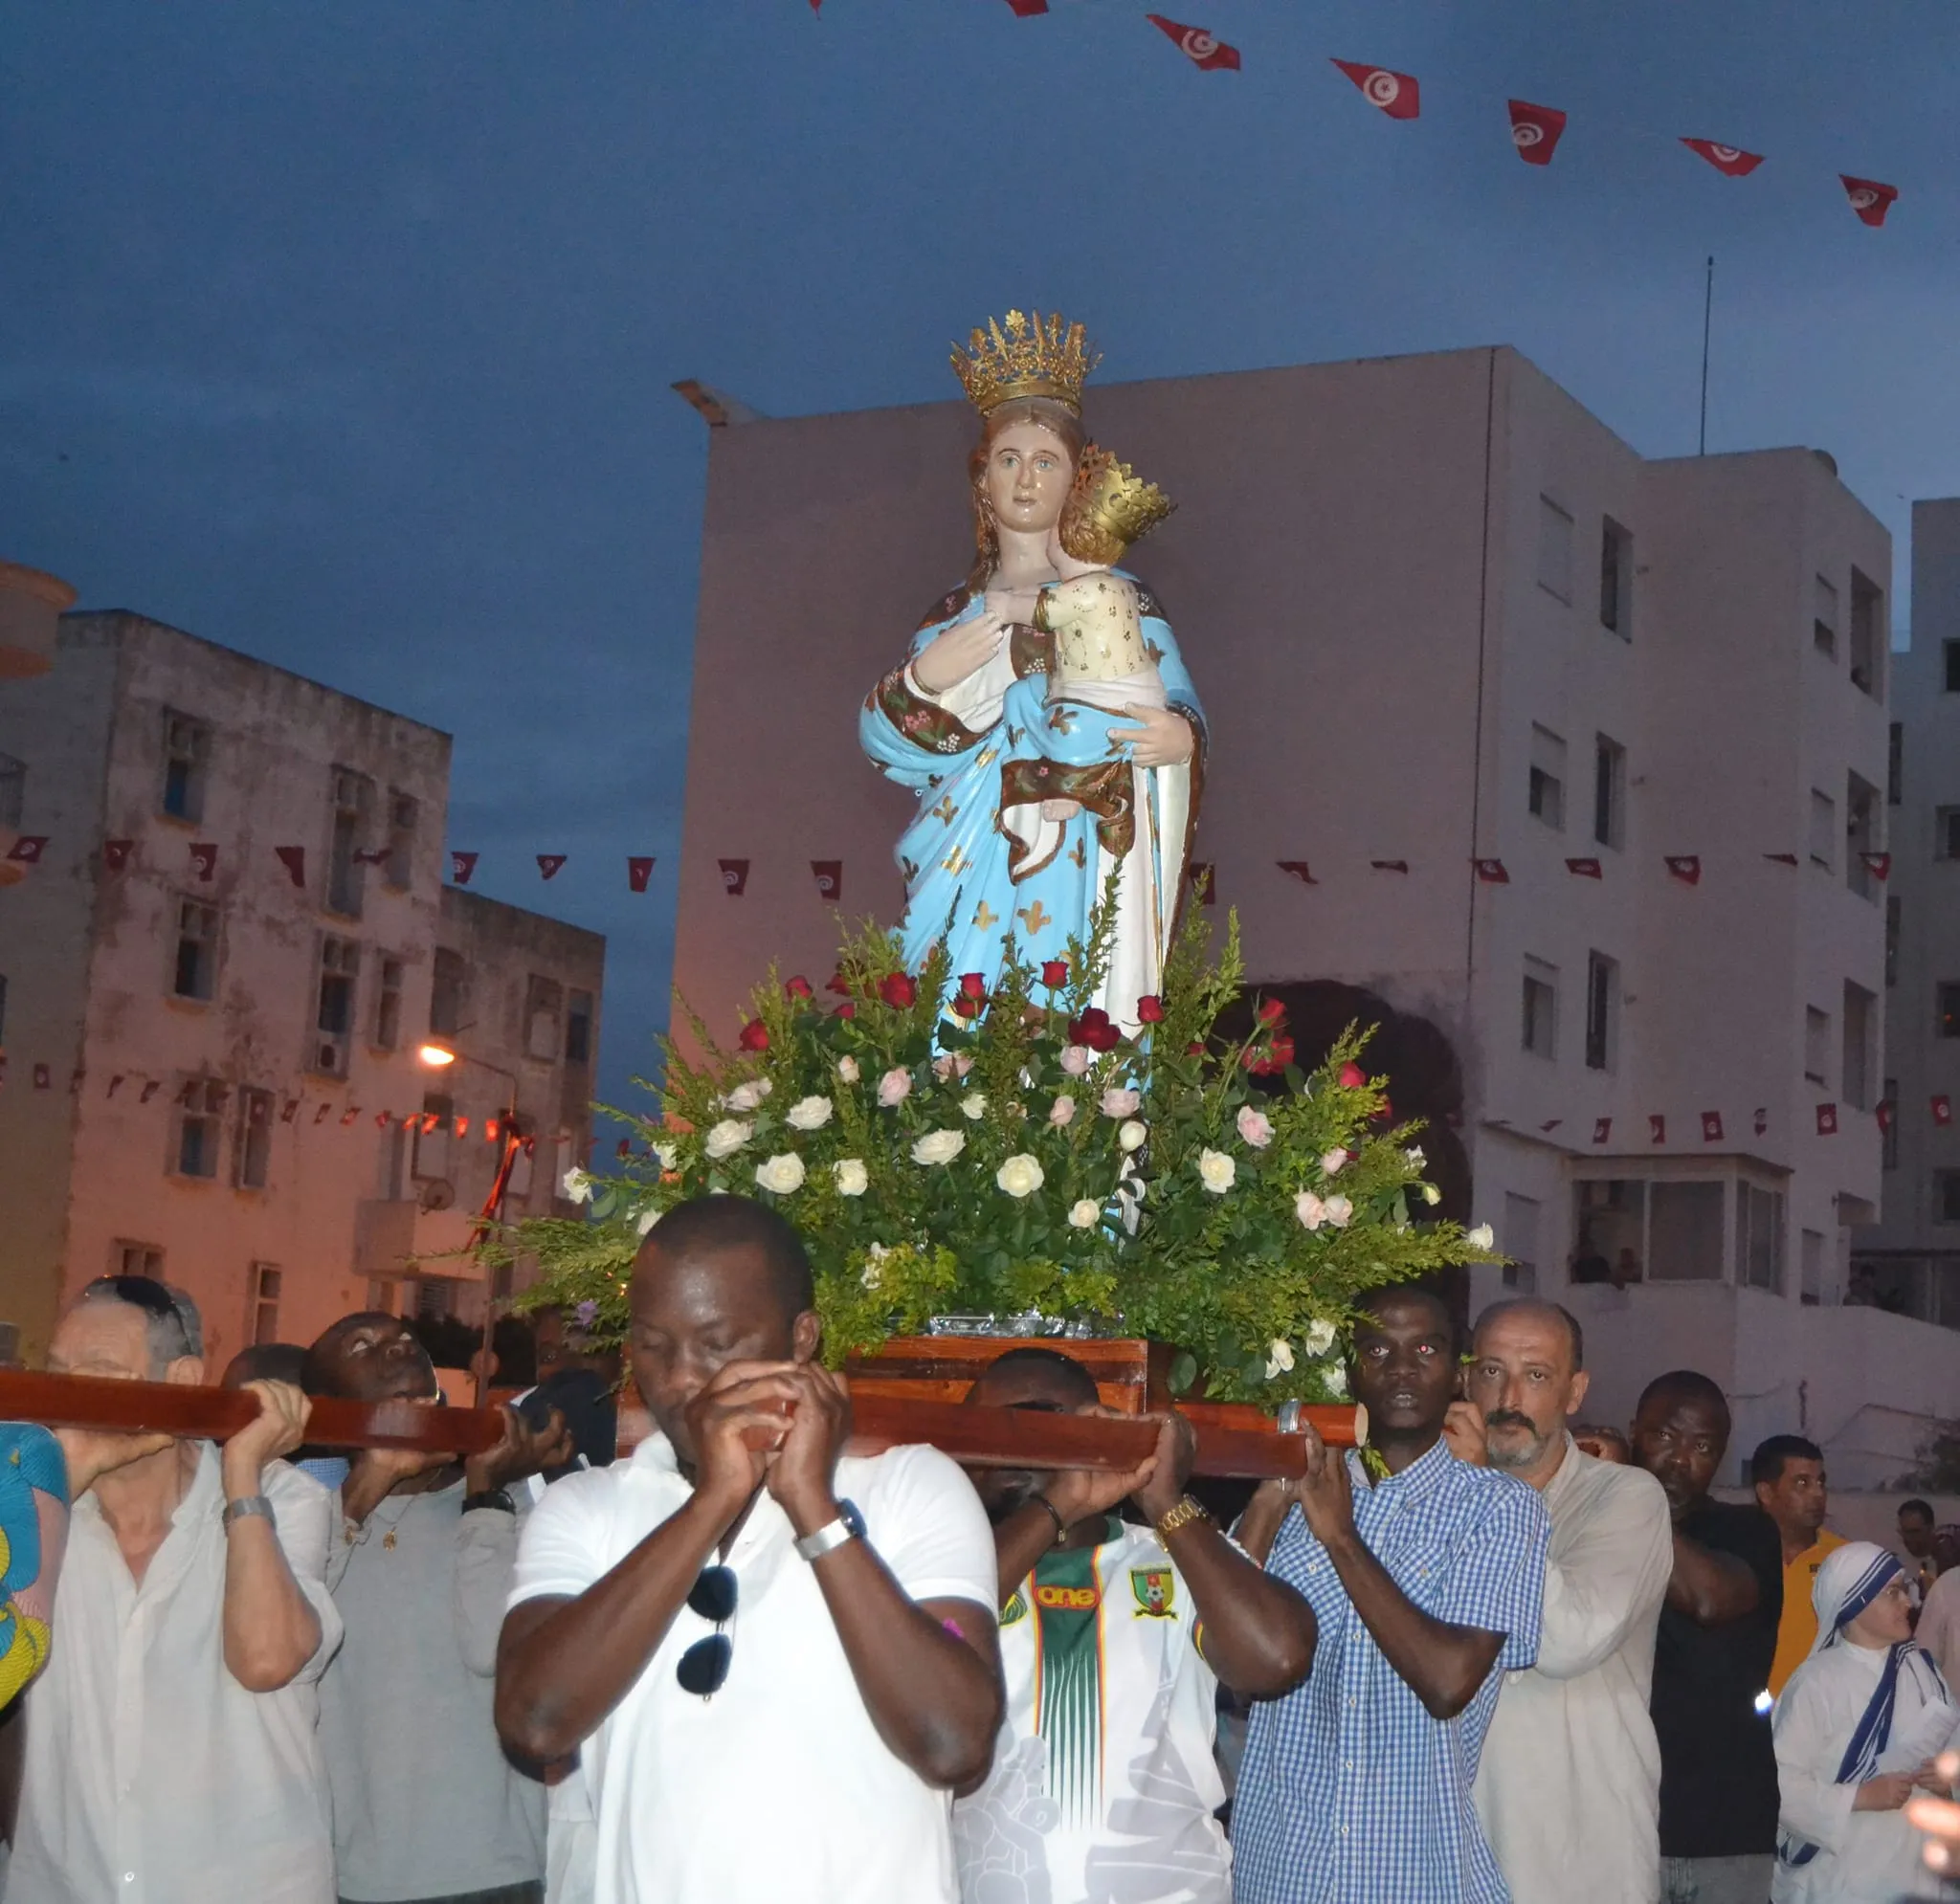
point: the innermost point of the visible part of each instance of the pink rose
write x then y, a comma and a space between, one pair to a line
895, 1086
1254, 1127
1120, 1102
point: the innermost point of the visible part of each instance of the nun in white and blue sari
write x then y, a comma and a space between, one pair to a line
1859, 1720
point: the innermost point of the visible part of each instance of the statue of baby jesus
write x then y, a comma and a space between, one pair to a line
1100, 653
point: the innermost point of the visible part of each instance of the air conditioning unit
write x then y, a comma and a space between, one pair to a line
330, 1055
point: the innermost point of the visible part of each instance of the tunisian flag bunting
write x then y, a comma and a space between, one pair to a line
116, 855
460, 866
1686, 867
1397, 94
1943, 1110
1492, 871
829, 875
1535, 131
1827, 1121
1585, 869
1711, 1126
1299, 869
550, 864
1027, 10
294, 859
1602, 1129
27, 849
1869, 199
204, 855
1656, 1127
1729, 160
639, 869
734, 877
1202, 49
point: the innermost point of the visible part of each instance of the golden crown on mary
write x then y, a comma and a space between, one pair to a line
1023, 356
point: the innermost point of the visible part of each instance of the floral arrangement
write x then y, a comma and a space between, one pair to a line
1013, 1154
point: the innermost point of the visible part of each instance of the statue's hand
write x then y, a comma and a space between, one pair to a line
1161, 739
949, 657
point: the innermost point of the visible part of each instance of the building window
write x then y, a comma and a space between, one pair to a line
353, 800
1759, 1237
333, 1014
1824, 618
1946, 1196
1812, 1246
200, 1120
578, 1029
448, 991
1888, 1138
1893, 907
1947, 832
1617, 579
1555, 549
1860, 1015
1546, 794
1684, 1232
187, 762
196, 972
1895, 762
1824, 831
1541, 1009
262, 1306
1609, 792
1860, 836
1816, 1044
544, 1007
431, 1162
401, 840
1947, 1008
135, 1259
13, 791
255, 1139
387, 1006
1867, 648
1602, 1011
1519, 1242
1950, 655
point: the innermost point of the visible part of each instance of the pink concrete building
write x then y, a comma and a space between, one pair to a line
1439, 614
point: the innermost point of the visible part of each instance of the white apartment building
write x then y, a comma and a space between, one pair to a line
216, 981
1909, 1261
1439, 614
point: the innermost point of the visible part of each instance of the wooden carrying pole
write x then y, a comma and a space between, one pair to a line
1233, 1440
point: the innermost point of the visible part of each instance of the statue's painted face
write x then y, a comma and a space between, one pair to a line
1029, 472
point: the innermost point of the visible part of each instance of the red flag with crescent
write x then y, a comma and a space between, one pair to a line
1729, 160
1535, 131
460, 867
1204, 50
1028, 10
1299, 869
1827, 1121
204, 855
1656, 1127
294, 859
1943, 1110
549, 863
116, 855
1686, 867
28, 848
734, 877
1492, 872
829, 875
1869, 199
1585, 869
1711, 1126
639, 869
1602, 1129
1397, 94
1878, 864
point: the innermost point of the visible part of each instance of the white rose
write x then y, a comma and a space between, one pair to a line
1413, 1156
1120, 1102
1254, 1127
1279, 1357
853, 1178
1309, 1209
669, 1155
847, 1069
577, 1185
727, 1138
1061, 1111
873, 1266
895, 1086
973, 1105
1319, 1338
939, 1146
1217, 1171
1339, 1211
1084, 1215
1482, 1237
1020, 1176
1075, 1059
807, 1114
1336, 1379
1431, 1194
1335, 1161
647, 1219
781, 1174
748, 1095
1130, 1135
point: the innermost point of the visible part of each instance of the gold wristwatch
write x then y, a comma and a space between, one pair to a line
1181, 1516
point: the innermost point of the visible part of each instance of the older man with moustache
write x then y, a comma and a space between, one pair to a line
1570, 1778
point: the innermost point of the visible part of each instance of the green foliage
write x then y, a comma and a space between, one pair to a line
1198, 1192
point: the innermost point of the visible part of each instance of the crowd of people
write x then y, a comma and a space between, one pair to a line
1497, 1656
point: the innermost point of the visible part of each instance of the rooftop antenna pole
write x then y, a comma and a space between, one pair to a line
1707, 311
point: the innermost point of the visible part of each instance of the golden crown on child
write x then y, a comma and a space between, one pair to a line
1110, 507
1023, 356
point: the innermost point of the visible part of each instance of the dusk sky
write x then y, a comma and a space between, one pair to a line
342, 335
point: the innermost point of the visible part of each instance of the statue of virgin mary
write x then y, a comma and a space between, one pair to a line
1031, 796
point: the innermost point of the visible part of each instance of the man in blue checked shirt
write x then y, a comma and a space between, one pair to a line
1427, 1586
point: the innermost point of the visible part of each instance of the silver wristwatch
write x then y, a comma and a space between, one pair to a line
849, 1525
247, 1507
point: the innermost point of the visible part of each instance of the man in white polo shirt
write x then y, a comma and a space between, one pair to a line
707, 1622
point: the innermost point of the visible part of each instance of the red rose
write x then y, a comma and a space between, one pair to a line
1150, 1010
967, 1008
1353, 1077
798, 988
1055, 972
1195, 1048
1276, 1059
974, 985
845, 1011
755, 1036
1387, 1113
898, 990
1272, 1012
1094, 1029
839, 983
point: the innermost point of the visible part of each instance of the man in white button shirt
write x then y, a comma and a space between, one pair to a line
1570, 1786
776, 1663
170, 1753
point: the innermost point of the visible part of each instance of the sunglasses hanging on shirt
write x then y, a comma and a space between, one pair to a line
702, 1670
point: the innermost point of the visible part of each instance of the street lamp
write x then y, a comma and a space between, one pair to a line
439, 1057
